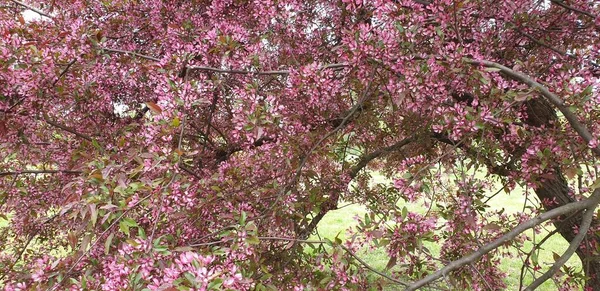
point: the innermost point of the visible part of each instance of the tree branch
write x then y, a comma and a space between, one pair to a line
540, 243
378, 153
589, 203
543, 44
364, 161
67, 129
306, 232
260, 73
60, 282
36, 172
551, 97
64, 71
40, 12
118, 51
350, 252
565, 6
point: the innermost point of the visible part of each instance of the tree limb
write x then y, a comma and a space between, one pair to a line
551, 97
64, 71
378, 153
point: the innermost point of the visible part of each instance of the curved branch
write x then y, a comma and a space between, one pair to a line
539, 244
551, 97
589, 203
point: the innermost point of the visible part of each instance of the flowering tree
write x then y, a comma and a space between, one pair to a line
176, 145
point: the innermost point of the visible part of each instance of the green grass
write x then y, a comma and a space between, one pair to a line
336, 222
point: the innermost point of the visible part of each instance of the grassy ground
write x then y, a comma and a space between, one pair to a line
336, 222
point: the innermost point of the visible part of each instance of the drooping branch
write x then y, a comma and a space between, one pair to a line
502, 170
329, 204
363, 162
588, 204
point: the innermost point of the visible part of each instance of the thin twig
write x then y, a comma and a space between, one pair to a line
533, 249
189, 171
541, 43
18, 257
76, 263
539, 244
167, 186
64, 71
304, 159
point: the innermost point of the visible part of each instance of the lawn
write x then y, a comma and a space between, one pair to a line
336, 222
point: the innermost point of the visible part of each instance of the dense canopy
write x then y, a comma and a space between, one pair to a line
177, 145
